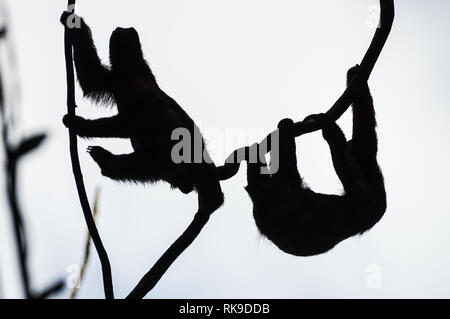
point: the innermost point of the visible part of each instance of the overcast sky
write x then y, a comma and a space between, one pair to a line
241, 66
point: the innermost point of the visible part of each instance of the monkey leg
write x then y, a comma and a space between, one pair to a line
131, 167
143, 167
138, 166
344, 161
364, 139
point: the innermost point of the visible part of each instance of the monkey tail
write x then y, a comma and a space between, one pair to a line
149, 281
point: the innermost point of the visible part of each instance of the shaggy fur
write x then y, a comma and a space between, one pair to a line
304, 223
146, 115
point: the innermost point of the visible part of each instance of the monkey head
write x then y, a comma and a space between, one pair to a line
125, 50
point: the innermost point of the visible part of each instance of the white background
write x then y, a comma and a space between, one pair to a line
243, 64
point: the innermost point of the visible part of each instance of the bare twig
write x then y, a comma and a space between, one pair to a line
87, 249
13, 156
71, 105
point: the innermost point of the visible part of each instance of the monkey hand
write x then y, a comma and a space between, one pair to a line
352, 72
285, 129
70, 20
285, 134
330, 130
99, 155
322, 119
73, 121
360, 90
286, 124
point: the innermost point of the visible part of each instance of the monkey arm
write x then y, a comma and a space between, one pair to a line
94, 78
113, 127
364, 123
344, 162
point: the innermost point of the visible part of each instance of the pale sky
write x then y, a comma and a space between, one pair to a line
242, 66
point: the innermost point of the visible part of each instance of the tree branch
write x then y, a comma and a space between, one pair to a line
387, 15
366, 67
154, 275
71, 105
13, 155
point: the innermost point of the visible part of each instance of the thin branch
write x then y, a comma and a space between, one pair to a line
19, 233
71, 105
151, 279
13, 155
387, 15
366, 67
87, 250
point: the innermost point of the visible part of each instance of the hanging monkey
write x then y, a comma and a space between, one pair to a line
146, 115
304, 223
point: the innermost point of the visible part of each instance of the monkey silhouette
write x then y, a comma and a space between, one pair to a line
302, 222
147, 116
